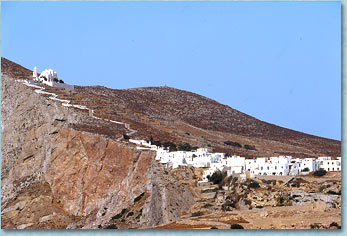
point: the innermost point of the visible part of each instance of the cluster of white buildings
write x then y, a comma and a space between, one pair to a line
211, 162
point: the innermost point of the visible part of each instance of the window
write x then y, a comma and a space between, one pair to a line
333, 168
268, 168
328, 169
261, 168
275, 167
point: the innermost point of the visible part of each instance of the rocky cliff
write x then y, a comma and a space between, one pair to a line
57, 173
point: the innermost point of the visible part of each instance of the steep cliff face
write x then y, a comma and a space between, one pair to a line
56, 176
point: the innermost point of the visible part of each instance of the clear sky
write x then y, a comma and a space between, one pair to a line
277, 61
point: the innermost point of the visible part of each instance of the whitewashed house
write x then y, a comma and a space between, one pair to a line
235, 163
328, 164
309, 164
50, 78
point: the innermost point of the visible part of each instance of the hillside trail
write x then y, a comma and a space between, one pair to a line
67, 103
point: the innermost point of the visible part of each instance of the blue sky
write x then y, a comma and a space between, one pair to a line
277, 61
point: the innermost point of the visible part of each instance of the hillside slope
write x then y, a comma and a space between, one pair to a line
62, 168
169, 114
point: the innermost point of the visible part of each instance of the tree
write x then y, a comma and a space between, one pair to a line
217, 177
306, 169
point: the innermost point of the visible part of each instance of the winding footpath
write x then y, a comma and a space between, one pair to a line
67, 103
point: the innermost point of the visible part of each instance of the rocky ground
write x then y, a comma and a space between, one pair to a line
306, 202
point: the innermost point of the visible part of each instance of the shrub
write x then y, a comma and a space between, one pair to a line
118, 216
247, 202
217, 177
55, 80
319, 172
138, 198
207, 205
61, 81
250, 147
154, 142
306, 169
333, 192
253, 184
197, 213
236, 226
126, 137
210, 190
234, 144
184, 147
213, 227
139, 215
113, 226
321, 188
130, 214
334, 224
315, 226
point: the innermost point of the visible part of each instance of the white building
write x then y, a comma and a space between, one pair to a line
50, 78
307, 164
235, 163
328, 164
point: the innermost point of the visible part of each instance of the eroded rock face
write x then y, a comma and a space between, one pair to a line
301, 197
54, 176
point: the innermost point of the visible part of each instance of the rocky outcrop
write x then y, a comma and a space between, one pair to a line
55, 175
168, 199
300, 197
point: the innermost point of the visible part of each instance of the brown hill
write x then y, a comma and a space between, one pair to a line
169, 114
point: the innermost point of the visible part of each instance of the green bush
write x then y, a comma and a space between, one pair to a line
247, 202
250, 147
130, 214
319, 172
306, 169
334, 224
118, 216
253, 184
217, 177
138, 198
234, 144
